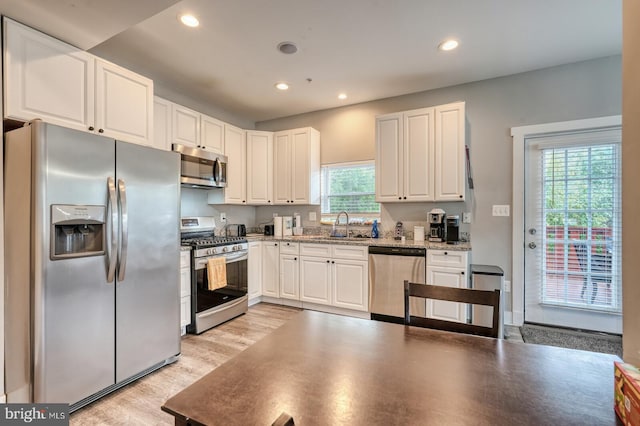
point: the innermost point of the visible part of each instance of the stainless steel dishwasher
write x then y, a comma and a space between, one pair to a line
388, 268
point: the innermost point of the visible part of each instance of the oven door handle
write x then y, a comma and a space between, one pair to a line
240, 301
231, 258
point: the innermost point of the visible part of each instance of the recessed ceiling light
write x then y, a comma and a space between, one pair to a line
448, 45
282, 86
287, 47
189, 20
342, 96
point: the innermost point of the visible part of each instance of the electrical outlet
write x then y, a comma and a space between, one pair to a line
507, 286
466, 217
312, 216
223, 217
501, 210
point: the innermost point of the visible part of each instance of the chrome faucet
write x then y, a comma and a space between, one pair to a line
346, 233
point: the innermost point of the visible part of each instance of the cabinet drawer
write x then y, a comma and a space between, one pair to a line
185, 311
289, 247
185, 282
321, 250
185, 259
448, 258
349, 252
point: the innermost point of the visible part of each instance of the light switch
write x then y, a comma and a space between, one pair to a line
501, 210
466, 217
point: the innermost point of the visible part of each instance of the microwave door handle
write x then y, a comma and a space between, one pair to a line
112, 222
124, 230
217, 171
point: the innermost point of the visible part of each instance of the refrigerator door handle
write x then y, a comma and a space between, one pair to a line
124, 230
113, 220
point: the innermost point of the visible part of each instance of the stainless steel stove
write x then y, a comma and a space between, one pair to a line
213, 307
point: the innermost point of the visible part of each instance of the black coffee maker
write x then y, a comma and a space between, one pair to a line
453, 229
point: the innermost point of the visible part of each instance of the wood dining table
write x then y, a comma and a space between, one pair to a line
324, 369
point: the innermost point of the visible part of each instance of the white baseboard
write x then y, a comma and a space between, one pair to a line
508, 318
3, 398
311, 306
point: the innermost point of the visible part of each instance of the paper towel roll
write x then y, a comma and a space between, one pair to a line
277, 226
418, 233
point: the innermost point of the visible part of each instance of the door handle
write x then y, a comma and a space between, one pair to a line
124, 230
532, 231
532, 245
113, 218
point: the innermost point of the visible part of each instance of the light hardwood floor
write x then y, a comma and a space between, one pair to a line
139, 403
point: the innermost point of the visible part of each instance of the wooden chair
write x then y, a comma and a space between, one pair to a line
452, 294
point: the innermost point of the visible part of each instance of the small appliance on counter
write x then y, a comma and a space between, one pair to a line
268, 230
235, 230
453, 229
287, 226
437, 229
399, 231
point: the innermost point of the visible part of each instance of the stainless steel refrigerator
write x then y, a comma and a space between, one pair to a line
92, 263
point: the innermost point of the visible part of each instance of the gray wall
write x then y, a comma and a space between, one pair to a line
576, 91
194, 203
630, 179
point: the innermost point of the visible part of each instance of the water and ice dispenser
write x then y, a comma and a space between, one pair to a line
77, 231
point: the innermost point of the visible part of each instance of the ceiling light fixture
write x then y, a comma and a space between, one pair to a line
282, 86
189, 20
448, 45
342, 96
287, 47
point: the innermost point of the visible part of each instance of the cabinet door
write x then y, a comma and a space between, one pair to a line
282, 168
315, 280
46, 78
259, 168
350, 284
270, 269
254, 269
418, 153
185, 282
439, 309
185, 311
161, 124
389, 155
300, 166
124, 104
236, 152
211, 134
289, 277
450, 152
186, 126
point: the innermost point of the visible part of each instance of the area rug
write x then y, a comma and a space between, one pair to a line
572, 339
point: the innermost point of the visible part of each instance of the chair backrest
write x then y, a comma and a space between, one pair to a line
581, 253
453, 294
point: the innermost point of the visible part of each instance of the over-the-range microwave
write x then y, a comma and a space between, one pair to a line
200, 168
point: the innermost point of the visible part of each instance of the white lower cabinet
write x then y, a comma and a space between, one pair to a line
289, 271
254, 270
270, 269
185, 288
450, 269
335, 275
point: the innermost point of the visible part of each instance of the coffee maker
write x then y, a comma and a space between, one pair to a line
453, 229
437, 225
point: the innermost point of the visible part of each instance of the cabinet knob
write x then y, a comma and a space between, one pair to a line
100, 130
446, 253
203, 147
462, 273
460, 196
276, 244
295, 258
327, 261
268, 201
91, 128
243, 201
405, 198
333, 261
399, 198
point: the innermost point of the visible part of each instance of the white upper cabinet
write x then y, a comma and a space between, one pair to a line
161, 123
124, 104
48, 79
212, 135
297, 166
259, 168
186, 126
420, 155
197, 130
236, 152
450, 152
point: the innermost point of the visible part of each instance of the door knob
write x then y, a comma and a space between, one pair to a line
532, 245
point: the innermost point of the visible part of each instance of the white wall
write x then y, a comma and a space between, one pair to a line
576, 91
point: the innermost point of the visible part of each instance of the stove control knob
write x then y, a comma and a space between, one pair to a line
225, 249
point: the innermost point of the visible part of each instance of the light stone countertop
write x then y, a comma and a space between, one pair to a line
383, 242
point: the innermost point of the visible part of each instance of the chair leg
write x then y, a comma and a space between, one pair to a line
584, 287
594, 292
